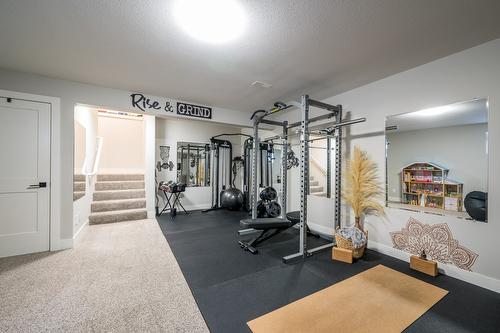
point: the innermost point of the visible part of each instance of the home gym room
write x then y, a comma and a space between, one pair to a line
249, 166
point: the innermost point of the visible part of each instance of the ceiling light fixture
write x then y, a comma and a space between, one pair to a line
211, 21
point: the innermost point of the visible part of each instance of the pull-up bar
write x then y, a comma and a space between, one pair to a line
324, 132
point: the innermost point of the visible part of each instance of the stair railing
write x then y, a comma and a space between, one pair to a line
317, 164
97, 158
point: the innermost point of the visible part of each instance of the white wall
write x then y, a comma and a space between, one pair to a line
79, 147
171, 131
123, 145
71, 94
149, 131
87, 118
459, 77
461, 149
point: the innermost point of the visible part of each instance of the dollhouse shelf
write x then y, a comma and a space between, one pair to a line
426, 184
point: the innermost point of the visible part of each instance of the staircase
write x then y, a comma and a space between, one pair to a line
315, 189
78, 186
117, 198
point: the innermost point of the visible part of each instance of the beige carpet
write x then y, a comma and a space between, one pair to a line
377, 300
120, 277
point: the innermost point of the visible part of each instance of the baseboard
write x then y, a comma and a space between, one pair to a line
63, 244
470, 277
83, 226
321, 229
194, 207
151, 214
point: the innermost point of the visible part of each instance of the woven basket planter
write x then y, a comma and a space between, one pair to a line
344, 243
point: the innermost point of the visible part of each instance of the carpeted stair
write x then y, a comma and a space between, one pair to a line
78, 186
315, 189
118, 198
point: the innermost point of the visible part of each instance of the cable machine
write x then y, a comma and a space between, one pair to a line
333, 132
222, 172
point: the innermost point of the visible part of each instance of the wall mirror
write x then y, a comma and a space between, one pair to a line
193, 163
437, 160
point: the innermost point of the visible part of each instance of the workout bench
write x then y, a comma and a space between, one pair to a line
268, 227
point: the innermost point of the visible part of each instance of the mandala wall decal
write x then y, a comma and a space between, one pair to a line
436, 240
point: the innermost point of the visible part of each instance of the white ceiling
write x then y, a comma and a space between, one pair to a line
465, 113
322, 47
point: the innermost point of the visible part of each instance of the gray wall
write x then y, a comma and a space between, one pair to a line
461, 149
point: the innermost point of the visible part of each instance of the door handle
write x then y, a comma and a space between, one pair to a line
35, 186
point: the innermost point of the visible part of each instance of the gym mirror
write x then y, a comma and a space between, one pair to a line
437, 160
193, 163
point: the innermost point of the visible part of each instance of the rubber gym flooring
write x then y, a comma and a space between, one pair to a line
232, 286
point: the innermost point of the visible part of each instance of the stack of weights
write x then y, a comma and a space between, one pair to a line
267, 206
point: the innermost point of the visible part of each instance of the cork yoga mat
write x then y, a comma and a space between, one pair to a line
379, 299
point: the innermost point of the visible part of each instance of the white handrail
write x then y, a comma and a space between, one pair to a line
318, 165
97, 159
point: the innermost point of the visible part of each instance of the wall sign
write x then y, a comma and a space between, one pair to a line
159, 105
192, 110
145, 104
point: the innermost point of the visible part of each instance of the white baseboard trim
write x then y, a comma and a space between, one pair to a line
194, 207
151, 214
83, 226
470, 277
321, 229
64, 243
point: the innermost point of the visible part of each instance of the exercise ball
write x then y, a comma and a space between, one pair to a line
232, 199
475, 204
268, 194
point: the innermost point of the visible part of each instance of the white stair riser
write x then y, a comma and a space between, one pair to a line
114, 177
119, 185
118, 217
313, 183
319, 194
117, 195
104, 206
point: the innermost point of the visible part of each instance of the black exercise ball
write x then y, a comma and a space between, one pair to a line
268, 194
475, 204
232, 199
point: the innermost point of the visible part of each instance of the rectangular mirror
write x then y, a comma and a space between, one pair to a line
193, 163
437, 160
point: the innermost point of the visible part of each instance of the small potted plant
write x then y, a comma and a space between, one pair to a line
362, 191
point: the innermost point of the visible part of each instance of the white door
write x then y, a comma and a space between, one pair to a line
24, 176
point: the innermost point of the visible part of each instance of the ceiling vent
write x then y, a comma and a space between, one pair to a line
261, 84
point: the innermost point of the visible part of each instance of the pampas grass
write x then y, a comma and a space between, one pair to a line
362, 188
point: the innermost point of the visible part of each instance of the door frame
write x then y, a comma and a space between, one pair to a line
55, 241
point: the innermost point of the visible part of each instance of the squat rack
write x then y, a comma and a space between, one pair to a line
332, 132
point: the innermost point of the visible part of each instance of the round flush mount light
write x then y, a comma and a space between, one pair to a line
211, 21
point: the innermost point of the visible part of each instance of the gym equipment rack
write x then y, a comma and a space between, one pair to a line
332, 132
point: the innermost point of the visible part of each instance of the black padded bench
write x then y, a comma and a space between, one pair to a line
295, 218
269, 227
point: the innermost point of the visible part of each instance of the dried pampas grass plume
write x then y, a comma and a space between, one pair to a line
362, 188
